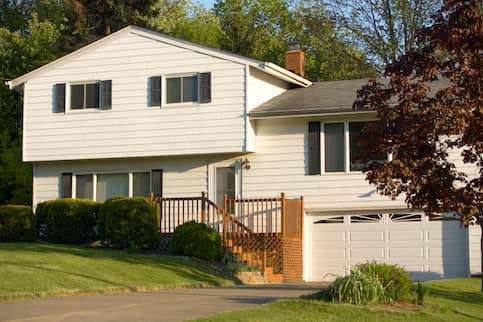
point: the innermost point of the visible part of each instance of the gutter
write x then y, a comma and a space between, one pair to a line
294, 114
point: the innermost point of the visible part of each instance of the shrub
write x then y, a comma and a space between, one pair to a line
17, 223
372, 283
70, 221
357, 288
129, 223
395, 280
197, 240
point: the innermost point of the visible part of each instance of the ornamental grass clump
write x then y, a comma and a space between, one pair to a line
372, 283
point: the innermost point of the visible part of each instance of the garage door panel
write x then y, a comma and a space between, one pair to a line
366, 252
406, 252
355, 236
405, 235
426, 249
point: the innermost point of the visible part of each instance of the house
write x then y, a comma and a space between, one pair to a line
139, 112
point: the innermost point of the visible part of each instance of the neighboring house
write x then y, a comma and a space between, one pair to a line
138, 111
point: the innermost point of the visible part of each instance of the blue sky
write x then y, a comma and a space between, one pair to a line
207, 3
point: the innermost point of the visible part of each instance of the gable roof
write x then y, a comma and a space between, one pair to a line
267, 67
322, 98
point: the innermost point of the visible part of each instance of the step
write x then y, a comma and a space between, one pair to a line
274, 278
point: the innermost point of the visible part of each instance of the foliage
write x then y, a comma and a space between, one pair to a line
420, 293
384, 30
70, 221
358, 288
130, 223
197, 240
394, 279
372, 283
430, 114
16, 223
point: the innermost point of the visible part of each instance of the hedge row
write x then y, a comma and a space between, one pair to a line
119, 222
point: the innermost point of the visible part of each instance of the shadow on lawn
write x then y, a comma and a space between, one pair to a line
183, 267
462, 296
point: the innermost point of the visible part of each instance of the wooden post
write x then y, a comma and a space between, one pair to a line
301, 217
203, 207
225, 203
282, 204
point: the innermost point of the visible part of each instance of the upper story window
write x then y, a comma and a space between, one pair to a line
343, 150
182, 89
97, 94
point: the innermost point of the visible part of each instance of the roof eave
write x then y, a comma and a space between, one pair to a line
300, 114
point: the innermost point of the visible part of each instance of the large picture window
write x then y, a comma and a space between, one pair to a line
182, 89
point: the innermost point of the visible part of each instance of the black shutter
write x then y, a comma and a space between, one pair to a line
155, 84
59, 106
205, 87
314, 148
66, 185
157, 182
106, 94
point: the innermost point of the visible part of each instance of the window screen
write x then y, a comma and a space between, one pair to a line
359, 146
140, 184
92, 95
334, 147
112, 185
173, 90
77, 96
182, 89
83, 186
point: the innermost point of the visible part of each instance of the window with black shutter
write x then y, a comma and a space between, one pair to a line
59, 106
314, 148
157, 182
205, 87
106, 94
155, 86
66, 185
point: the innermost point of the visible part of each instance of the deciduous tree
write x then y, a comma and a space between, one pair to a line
430, 109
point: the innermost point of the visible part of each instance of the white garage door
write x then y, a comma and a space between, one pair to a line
428, 249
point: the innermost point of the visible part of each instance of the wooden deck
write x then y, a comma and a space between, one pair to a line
262, 232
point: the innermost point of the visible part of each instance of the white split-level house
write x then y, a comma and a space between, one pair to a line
138, 111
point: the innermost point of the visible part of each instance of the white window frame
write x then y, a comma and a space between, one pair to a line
68, 97
94, 181
164, 89
347, 169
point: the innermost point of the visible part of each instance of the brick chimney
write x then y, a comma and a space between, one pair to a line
295, 59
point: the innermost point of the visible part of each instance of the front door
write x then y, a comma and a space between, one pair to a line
225, 184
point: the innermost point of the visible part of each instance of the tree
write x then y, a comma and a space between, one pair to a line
384, 29
254, 28
430, 109
20, 51
328, 56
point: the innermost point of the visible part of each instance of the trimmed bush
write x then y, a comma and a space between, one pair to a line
129, 223
197, 240
69, 221
372, 283
395, 280
17, 223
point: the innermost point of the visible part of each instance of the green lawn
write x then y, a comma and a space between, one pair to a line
456, 300
38, 269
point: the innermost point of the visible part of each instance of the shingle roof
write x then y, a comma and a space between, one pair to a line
333, 97
320, 98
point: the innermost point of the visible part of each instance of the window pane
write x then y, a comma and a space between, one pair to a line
77, 96
357, 147
112, 185
334, 147
83, 186
92, 95
140, 184
173, 90
190, 89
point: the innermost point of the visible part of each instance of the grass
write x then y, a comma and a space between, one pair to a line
448, 300
37, 270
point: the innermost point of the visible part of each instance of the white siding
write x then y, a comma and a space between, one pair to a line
185, 177
280, 164
474, 233
131, 128
261, 88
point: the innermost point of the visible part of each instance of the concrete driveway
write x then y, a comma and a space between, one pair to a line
169, 305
